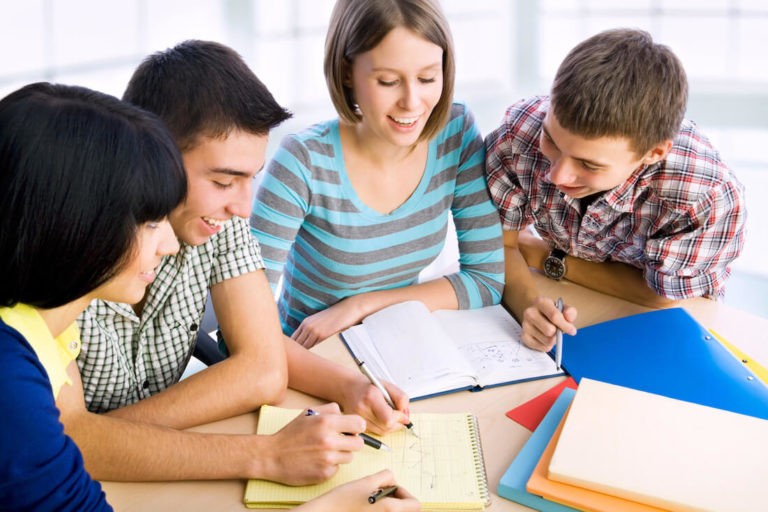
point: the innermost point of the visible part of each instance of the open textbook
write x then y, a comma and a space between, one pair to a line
429, 353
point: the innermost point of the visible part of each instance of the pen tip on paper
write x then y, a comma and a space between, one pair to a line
385, 447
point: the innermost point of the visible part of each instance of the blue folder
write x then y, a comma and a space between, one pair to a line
512, 484
666, 352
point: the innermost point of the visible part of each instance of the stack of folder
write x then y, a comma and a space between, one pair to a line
665, 418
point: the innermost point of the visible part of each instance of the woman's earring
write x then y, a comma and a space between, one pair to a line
356, 108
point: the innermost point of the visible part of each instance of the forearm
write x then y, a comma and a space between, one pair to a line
122, 450
234, 386
254, 374
435, 294
316, 375
519, 289
612, 278
616, 279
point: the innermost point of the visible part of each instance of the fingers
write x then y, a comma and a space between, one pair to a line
330, 433
311, 447
383, 478
403, 494
329, 408
304, 337
398, 396
401, 401
331, 418
378, 412
570, 313
353, 496
541, 321
319, 326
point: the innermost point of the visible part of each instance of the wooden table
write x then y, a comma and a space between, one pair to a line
501, 437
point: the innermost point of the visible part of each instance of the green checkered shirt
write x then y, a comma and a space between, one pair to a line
126, 358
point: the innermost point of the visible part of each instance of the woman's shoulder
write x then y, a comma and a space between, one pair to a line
460, 120
460, 110
320, 131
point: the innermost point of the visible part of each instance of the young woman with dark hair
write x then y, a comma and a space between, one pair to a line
86, 184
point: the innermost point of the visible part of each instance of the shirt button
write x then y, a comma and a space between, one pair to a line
193, 327
73, 345
146, 384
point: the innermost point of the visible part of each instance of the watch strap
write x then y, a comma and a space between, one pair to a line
558, 253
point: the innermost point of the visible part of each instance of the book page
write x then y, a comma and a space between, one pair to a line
489, 339
443, 465
416, 350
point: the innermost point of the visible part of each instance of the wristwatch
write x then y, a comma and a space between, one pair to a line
554, 264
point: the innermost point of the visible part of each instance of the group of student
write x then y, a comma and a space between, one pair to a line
119, 217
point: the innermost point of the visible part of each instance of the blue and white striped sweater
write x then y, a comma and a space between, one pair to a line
315, 231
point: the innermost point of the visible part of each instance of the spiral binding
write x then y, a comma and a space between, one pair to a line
477, 448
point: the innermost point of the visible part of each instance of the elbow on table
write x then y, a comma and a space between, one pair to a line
269, 385
653, 300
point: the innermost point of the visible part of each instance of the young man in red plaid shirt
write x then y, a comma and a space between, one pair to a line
629, 198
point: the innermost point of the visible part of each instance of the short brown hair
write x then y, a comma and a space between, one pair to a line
357, 26
203, 89
619, 83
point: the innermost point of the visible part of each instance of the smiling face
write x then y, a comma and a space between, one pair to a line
220, 176
153, 241
580, 167
396, 86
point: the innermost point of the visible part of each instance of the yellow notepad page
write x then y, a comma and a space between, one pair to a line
661, 451
443, 467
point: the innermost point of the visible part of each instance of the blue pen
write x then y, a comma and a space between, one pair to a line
368, 440
559, 338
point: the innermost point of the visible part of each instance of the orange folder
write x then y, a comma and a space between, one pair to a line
573, 496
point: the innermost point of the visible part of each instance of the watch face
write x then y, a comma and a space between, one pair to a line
554, 267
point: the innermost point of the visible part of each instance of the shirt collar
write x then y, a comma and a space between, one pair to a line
55, 354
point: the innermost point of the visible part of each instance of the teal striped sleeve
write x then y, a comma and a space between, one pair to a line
480, 280
280, 206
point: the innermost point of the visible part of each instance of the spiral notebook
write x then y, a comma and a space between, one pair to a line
443, 467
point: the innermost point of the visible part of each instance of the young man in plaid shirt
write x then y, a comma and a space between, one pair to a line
130, 423
628, 197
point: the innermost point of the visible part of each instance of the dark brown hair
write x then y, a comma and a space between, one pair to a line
203, 89
619, 83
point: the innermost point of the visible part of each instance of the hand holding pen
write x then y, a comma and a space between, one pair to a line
367, 440
377, 383
541, 321
309, 450
358, 495
563, 318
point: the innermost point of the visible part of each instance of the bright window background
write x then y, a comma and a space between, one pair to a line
506, 49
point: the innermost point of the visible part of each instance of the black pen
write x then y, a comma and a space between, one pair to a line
372, 378
381, 493
368, 440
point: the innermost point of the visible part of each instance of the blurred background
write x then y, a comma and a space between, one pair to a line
506, 50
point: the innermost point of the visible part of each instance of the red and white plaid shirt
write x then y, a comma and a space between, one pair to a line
681, 220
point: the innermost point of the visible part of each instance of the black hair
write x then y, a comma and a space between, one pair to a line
79, 172
203, 89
